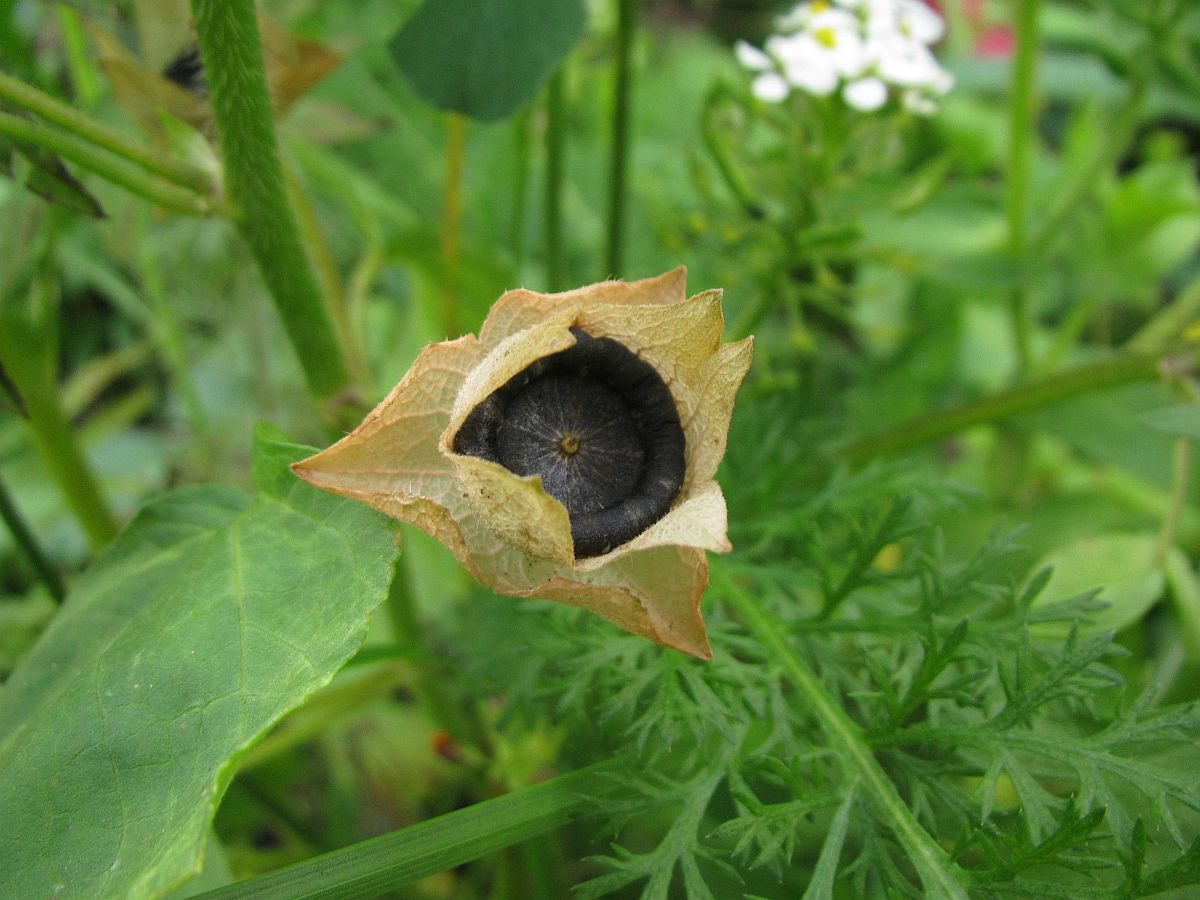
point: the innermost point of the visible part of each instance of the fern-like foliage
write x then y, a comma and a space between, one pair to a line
1026, 757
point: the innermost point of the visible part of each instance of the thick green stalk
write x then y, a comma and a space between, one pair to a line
157, 190
1020, 140
372, 867
937, 872
23, 536
552, 201
627, 11
21, 95
227, 32
1026, 397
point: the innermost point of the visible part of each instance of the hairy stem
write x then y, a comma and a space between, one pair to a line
1020, 139
627, 11
227, 33
552, 201
157, 190
1043, 392
23, 537
937, 873
23, 96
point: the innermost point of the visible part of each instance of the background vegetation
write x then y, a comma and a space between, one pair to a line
957, 647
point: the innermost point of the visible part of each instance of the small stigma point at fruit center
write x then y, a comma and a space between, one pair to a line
568, 445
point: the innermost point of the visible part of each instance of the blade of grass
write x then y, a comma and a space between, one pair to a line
371, 867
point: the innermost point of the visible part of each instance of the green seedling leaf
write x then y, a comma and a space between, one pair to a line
213, 614
485, 58
1124, 565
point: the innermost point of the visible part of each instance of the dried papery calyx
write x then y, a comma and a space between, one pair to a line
601, 429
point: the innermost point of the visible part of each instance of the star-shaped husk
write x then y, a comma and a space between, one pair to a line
512, 535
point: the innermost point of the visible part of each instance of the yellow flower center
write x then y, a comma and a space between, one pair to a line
819, 6
826, 37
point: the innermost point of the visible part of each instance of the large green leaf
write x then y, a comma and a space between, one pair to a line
485, 58
213, 614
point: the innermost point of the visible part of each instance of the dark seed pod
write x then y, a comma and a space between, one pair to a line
600, 427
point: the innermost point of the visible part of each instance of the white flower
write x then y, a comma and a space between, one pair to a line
866, 94
771, 87
870, 49
919, 22
903, 62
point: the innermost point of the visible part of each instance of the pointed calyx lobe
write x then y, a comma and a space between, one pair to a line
600, 428
568, 453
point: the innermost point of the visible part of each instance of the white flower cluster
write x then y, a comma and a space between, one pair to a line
868, 48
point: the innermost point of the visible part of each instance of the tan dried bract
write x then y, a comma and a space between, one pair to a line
511, 534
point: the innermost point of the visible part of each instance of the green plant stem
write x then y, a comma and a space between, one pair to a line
451, 229
23, 537
1169, 323
1084, 183
227, 33
627, 11
84, 78
1020, 140
722, 156
938, 874
325, 270
552, 201
157, 190
59, 449
21, 95
371, 867
1026, 397
439, 703
1181, 470
521, 166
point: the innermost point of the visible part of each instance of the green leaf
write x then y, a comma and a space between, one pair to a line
1122, 564
485, 58
213, 614
1181, 420
48, 177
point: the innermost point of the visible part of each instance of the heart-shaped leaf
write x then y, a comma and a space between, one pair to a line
485, 58
213, 614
